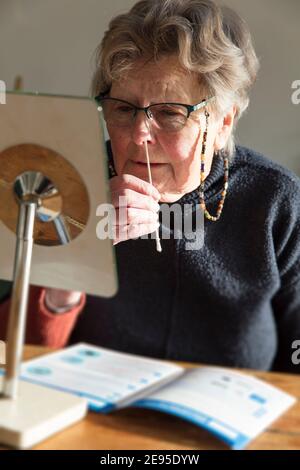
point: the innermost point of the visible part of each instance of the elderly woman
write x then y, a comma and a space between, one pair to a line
174, 76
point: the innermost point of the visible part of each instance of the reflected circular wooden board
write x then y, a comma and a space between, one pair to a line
74, 204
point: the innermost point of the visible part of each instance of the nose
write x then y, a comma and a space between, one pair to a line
142, 129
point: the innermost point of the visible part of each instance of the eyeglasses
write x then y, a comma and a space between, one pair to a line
170, 117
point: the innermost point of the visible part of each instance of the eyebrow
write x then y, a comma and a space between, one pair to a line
134, 101
128, 100
151, 104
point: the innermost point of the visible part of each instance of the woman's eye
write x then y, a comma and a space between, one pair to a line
169, 113
124, 109
173, 112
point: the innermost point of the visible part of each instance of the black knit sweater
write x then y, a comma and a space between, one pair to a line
234, 302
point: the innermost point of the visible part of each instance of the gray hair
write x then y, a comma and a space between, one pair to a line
210, 40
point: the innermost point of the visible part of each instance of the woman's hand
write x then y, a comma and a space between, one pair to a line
136, 215
58, 300
137, 210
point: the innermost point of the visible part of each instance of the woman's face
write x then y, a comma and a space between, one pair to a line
175, 158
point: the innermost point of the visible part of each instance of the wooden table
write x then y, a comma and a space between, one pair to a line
146, 429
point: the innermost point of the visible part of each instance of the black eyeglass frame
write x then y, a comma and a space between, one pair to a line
190, 107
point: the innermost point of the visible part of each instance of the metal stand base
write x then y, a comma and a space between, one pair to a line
37, 413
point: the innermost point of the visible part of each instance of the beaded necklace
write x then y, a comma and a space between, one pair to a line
202, 180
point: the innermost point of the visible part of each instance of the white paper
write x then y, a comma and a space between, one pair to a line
234, 406
108, 379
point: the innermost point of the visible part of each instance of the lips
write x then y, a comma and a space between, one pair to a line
151, 163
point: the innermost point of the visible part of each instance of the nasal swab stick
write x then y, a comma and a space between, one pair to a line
158, 245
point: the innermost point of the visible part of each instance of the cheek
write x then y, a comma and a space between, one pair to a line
183, 147
119, 144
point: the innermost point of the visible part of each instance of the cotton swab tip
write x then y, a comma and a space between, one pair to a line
158, 245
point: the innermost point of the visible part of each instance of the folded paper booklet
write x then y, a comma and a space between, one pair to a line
234, 406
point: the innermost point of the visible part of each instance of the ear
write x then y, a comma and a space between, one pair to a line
224, 129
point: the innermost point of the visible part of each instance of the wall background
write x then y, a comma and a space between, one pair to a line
51, 42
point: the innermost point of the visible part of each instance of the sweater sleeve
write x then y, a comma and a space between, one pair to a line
42, 326
286, 301
286, 306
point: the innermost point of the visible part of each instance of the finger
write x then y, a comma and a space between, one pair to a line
134, 183
135, 216
129, 198
134, 231
137, 230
